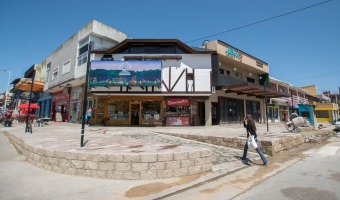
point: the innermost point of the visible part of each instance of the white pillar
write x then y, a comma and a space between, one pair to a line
208, 119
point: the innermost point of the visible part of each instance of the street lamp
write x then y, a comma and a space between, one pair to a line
7, 92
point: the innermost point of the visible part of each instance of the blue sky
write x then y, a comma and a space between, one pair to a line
302, 48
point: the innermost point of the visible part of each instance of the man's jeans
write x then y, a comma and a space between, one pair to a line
258, 149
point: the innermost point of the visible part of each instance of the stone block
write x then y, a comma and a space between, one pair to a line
115, 158
98, 157
181, 172
106, 166
60, 154
64, 163
187, 163
99, 174
49, 153
131, 158
47, 167
165, 173
165, 157
58, 169
84, 156
149, 158
71, 155
140, 166
157, 166
181, 156
206, 152
195, 170
36, 157
115, 174
173, 164
78, 164
91, 165
206, 167
200, 161
71, 171
53, 161
150, 174
195, 154
123, 166
41, 151
130, 175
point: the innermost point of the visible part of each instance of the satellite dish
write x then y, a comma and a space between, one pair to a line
205, 43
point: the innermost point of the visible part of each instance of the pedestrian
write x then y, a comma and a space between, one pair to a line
137, 116
89, 115
249, 124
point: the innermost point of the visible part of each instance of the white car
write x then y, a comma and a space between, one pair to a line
337, 124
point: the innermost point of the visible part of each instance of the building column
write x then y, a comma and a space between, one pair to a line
43, 109
208, 118
48, 108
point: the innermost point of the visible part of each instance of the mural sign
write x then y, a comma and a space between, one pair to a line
233, 53
125, 73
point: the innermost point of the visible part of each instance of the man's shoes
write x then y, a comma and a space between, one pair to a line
241, 158
266, 164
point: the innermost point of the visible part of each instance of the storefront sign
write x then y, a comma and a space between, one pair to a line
178, 121
60, 97
125, 73
178, 102
235, 54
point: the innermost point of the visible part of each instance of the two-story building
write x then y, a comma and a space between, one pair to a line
152, 82
66, 68
236, 78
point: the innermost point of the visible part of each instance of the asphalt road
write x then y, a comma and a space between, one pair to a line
315, 177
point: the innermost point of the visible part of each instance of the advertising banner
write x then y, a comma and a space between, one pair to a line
125, 73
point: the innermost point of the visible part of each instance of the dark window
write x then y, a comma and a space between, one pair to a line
136, 49
221, 71
228, 72
322, 114
107, 58
83, 49
190, 76
305, 114
251, 80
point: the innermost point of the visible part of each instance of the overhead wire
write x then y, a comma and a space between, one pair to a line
261, 21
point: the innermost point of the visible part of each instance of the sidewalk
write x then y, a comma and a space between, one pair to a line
139, 140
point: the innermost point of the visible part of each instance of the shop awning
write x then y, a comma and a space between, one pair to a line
252, 89
25, 84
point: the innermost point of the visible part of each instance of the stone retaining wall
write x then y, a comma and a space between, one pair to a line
270, 147
117, 166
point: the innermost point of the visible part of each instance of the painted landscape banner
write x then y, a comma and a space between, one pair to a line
125, 73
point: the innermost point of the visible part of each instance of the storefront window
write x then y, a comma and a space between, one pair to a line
151, 111
177, 112
322, 114
118, 110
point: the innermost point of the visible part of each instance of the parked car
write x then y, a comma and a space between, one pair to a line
337, 124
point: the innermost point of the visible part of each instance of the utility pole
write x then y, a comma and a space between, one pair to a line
85, 96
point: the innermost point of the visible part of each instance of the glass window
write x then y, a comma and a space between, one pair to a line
118, 109
55, 73
151, 110
322, 114
221, 71
48, 67
67, 67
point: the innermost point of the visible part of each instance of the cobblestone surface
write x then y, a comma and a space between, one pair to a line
220, 154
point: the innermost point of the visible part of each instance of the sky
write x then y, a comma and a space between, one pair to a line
301, 48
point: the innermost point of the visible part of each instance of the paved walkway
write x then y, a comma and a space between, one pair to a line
66, 137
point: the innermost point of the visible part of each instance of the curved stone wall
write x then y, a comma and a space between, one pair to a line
125, 166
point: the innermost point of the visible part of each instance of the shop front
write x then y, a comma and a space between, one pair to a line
75, 105
129, 110
60, 106
178, 112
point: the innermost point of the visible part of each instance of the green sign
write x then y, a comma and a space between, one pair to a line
58, 117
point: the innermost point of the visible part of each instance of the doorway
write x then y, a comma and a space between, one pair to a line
135, 114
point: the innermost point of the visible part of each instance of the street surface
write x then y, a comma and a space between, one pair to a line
289, 177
